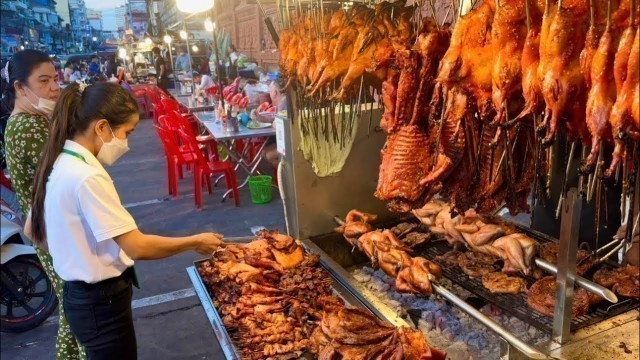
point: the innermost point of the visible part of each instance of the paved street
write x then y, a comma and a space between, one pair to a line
169, 321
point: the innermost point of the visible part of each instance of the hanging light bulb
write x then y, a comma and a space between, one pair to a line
167, 39
183, 35
209, 25
148, 41
194, 6
195, 48
122, 53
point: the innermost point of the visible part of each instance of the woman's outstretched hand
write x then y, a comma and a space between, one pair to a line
208, 243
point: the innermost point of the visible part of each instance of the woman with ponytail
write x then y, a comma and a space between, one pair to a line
30, 90
77, 214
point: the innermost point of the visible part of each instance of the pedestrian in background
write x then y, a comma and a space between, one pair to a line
30, 90
94, 66
161, 70
182, 60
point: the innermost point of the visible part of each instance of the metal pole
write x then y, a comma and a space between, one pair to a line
190, 67
565, 278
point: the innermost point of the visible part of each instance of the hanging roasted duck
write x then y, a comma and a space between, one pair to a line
602, 92
563, 85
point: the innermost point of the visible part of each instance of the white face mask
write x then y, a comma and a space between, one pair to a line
45, 106
111, 151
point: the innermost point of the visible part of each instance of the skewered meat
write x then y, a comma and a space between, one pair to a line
549, 252
476, 264
624, 281
519, 251
563, 86
417, 277
427, 214
500, 283
356, 224
393, 260
542, 297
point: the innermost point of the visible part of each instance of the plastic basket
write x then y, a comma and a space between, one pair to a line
260, 189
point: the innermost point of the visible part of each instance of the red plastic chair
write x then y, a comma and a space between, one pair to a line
171, 105
206, 169
208, 141
177, 157
170, 157
141, 98
170, 124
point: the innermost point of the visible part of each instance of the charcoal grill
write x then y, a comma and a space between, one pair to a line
516, 305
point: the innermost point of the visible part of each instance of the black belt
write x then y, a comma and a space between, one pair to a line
80, 292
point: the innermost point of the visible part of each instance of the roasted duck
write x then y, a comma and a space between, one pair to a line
563, 85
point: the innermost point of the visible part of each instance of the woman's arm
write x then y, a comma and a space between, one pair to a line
141, 246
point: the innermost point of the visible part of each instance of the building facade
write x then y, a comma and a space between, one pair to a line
244, 21
80, 29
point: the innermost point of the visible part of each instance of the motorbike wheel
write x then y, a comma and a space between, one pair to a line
27, 296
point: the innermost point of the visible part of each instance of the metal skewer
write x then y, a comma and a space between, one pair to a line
580, 281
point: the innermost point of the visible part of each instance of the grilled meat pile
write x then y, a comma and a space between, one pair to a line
267, 293
475, 232
391, 255
624, 281
355, 334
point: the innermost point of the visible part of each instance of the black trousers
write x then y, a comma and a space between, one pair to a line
100, 317
164, 84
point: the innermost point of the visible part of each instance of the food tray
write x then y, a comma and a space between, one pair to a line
340, 284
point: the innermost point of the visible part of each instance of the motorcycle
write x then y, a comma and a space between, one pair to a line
27, 296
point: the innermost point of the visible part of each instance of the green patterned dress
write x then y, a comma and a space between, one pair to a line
24, 142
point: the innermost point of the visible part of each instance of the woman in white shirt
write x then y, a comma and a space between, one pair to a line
77, 213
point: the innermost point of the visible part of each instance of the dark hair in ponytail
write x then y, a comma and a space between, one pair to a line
75, 111
20, 67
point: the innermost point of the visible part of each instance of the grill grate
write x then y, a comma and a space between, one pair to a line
516, 305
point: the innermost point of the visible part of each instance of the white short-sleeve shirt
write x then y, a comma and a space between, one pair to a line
83, 214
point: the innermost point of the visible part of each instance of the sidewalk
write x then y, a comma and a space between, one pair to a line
170, 323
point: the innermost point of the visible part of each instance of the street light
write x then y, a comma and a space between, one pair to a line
183, 35
209, 25
148, 41
21, 47
94, 39
122, 53
194, 6
167, 39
